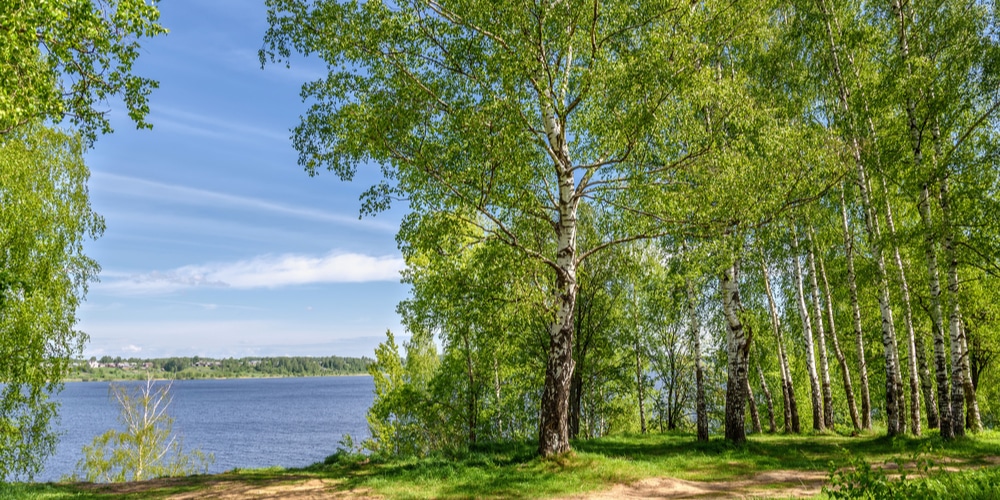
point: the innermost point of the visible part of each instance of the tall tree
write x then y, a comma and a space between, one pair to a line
819, 422
738, 337
44, 274
508, 114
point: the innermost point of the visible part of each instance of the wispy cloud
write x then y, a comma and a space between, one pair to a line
147, 189
212, 127
266, 271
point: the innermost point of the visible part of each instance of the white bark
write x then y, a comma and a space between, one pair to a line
819, 423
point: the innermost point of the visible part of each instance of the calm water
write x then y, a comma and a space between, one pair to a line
246, 423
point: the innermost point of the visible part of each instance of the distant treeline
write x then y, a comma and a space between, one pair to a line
109, 368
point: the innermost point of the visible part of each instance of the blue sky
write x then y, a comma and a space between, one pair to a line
217, 242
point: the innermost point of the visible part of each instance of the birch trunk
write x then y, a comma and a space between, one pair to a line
841, 359
819, 423
738, 338
767, 399
640, 386
888, 328
954, 318
553, 422
852, 285
916, 341
791, 410
973, 421
824, 363
752, 403
911, 345
945, 419
940, 357
701, 410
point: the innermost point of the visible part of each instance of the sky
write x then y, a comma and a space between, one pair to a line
218, 243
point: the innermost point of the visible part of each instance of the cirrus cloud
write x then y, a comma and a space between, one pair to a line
266, 271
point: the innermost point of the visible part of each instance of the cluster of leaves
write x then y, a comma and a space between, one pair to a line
61, 59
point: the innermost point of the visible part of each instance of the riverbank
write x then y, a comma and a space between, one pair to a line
115, 375
652, 466
107, 369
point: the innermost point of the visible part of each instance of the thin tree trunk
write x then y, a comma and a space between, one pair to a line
738, 337
940, 357
701, 410
640, 387
916, 141
958, 357
767, 398
892, 378
841, 359
824, 363
911, 344
973, 421
752, 403
787, 387
852, 285
819, 423
473, 404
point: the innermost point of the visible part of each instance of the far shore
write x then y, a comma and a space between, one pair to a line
166, 376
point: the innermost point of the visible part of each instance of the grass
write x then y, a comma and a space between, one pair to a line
511, 470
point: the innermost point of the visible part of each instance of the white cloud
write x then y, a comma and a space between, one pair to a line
131, 348
267, 271
146, 189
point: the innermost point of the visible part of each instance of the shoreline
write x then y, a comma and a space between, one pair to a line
211, 377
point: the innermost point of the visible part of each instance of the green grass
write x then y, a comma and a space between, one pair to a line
512, 470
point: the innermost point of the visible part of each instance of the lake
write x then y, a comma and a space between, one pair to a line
246, 423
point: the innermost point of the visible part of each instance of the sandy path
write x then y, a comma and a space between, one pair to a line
783, 484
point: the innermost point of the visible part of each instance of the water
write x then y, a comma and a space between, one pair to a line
246, 423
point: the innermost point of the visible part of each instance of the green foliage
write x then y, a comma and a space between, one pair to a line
861, 480
397, 418
60, 59
44, 220
145, 448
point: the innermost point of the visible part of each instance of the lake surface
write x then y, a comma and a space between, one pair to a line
246, 423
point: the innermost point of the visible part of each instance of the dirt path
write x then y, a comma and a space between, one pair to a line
783, 484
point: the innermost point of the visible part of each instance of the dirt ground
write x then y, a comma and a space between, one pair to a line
770, 484
783, 484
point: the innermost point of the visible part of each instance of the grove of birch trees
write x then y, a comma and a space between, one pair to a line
728, 217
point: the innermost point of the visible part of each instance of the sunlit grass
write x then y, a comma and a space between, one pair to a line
512, 470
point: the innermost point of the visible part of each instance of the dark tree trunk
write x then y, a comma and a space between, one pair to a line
701, 411
772, 428
738, 349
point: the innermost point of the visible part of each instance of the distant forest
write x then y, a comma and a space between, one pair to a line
116, 368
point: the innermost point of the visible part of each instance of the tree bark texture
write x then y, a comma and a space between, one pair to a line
791, 410
752, 404
701, 410
973, 421
911, 343
888, 328
738, 337
954, 316
841, 359
859, 339
824, 363
934, 281
554, 422
819, 423
772, 428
